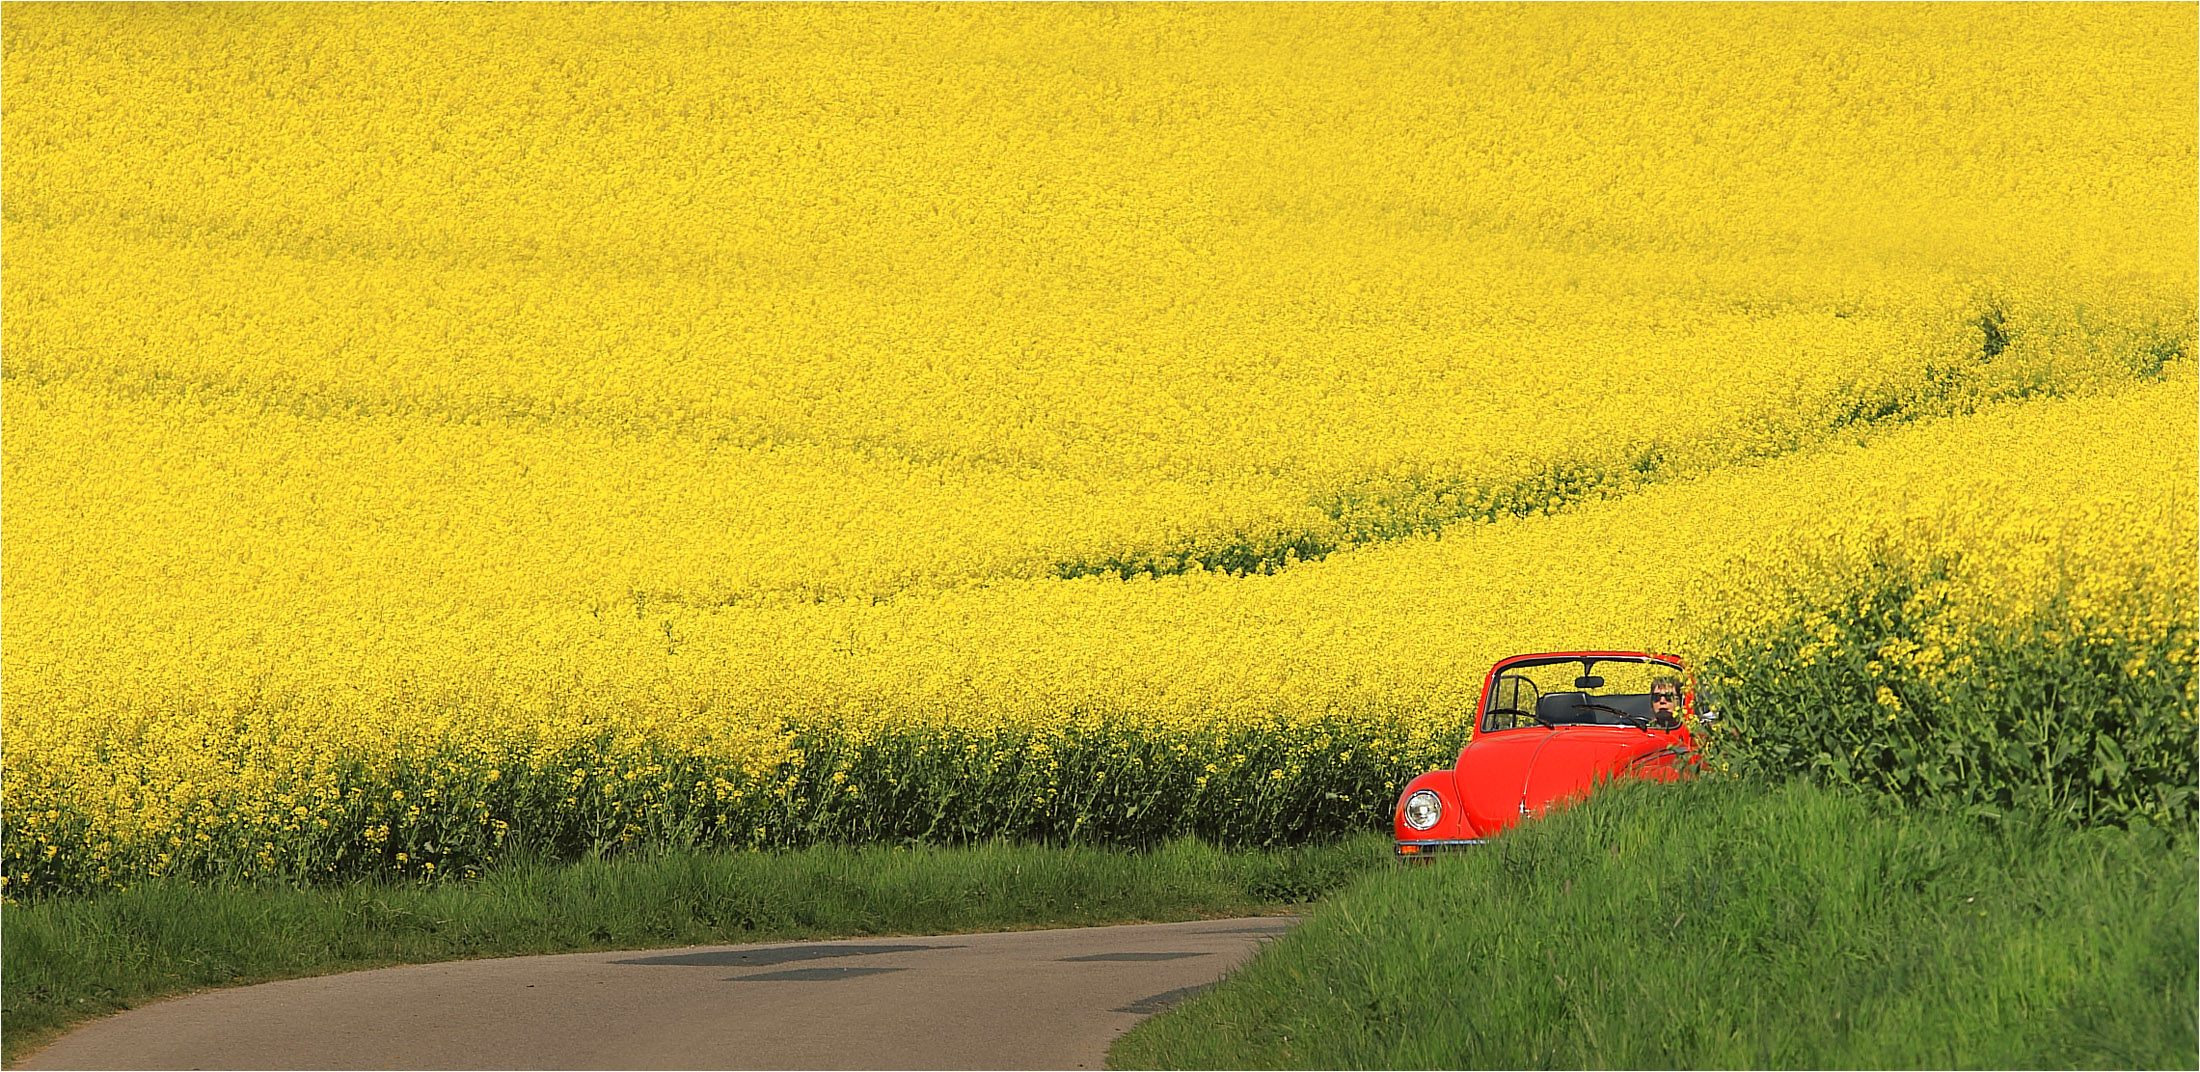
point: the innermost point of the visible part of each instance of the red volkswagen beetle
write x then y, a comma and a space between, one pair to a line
1551, 727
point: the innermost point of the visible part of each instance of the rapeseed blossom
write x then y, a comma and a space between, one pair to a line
433, 430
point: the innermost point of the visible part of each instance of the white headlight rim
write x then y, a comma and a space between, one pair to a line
1422, 808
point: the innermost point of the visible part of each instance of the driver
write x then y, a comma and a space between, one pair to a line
1665, 701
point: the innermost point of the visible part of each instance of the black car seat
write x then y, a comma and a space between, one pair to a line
1635, 704
1615, 709
1563, 709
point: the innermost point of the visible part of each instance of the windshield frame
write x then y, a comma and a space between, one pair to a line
1484, 724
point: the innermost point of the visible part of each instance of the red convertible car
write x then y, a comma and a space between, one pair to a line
1552, 726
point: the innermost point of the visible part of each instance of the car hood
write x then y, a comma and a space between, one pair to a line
1505, 775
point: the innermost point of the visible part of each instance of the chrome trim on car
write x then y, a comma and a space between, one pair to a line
1434, 845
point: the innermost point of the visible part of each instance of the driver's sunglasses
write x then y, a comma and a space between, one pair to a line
1665, 697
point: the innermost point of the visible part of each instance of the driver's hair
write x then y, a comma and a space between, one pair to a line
1667, 679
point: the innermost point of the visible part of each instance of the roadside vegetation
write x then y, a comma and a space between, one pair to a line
71, 959
1724, 924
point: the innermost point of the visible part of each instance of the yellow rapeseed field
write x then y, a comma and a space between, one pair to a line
429, 431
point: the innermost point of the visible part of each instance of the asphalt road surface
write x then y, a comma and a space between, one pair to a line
1024, 999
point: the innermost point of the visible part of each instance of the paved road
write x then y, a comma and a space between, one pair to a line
1025, 999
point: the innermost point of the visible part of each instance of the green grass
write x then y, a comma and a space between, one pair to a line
1724, 924
71, 959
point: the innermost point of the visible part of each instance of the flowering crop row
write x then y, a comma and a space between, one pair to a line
1074, 709
2029, 652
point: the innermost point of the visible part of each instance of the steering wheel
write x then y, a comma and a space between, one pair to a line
1538, 719
1634, 720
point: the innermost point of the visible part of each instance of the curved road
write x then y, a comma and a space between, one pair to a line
1023, 999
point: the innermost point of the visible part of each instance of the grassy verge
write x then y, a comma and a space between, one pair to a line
1721, 924
71, 959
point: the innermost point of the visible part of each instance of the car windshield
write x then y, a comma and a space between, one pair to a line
1563, 691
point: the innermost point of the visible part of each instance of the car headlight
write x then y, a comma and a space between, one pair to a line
1422, 808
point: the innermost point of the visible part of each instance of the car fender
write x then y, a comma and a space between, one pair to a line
1672, 763
1506, 776
1451, 823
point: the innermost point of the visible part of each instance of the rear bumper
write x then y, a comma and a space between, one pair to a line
1433, 846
